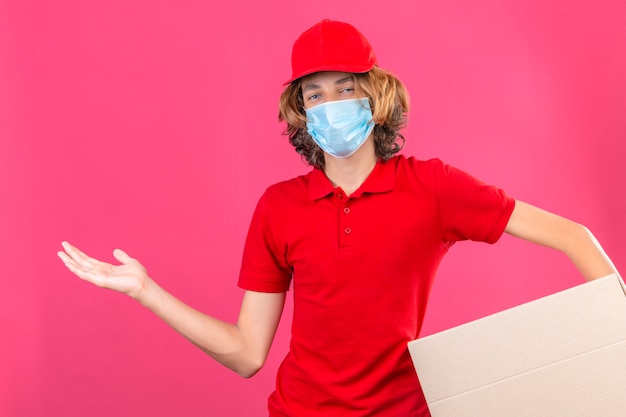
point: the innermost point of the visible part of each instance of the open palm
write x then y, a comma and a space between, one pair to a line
129, 277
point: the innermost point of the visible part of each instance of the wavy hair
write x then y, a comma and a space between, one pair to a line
388, 99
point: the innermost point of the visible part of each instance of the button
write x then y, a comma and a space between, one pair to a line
347, 230
339, 196
346, 210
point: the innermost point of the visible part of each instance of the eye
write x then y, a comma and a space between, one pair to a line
313, 97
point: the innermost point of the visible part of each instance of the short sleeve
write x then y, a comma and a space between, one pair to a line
470, 209
263, 266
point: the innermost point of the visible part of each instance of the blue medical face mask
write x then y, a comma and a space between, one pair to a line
340, 127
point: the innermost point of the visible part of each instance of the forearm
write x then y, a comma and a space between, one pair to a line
586, 253
221, 340
574, 240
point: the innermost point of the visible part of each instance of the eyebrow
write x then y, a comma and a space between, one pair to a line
338, 82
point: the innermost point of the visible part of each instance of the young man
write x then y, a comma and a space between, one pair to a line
360, 236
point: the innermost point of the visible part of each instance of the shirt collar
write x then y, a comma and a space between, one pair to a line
381, 179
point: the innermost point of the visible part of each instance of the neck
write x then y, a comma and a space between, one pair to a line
349, 173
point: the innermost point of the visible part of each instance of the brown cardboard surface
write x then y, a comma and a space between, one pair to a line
561, 355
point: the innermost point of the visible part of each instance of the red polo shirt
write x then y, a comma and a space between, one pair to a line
362, 268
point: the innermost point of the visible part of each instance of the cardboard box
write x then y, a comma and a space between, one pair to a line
561, 355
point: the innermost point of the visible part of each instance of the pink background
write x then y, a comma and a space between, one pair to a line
151, 126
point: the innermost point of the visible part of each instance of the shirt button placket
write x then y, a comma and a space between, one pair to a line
346, 228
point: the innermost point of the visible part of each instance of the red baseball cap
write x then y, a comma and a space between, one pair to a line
331, 46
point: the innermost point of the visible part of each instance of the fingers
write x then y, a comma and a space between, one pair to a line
75, 268
66, 259
78, 256
82, 265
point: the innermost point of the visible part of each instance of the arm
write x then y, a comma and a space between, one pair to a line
574, 240
242, 347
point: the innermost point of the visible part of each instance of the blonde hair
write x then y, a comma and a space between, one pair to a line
388, 99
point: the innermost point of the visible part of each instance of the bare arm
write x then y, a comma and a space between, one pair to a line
242, 347
576, 241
